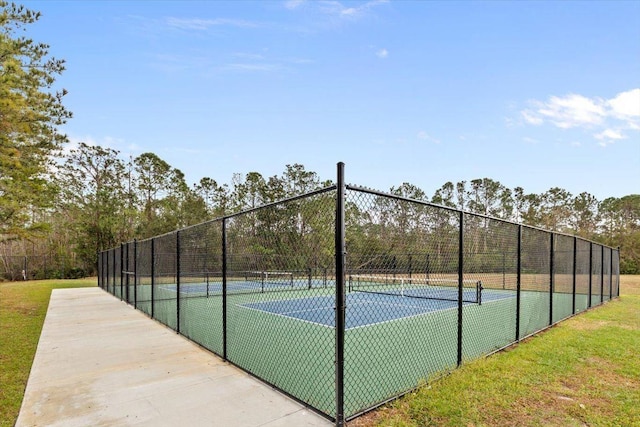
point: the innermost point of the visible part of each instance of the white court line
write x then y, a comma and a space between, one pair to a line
289, 317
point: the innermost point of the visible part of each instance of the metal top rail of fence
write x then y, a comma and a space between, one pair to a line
347, 297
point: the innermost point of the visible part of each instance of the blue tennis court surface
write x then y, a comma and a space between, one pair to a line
320, 309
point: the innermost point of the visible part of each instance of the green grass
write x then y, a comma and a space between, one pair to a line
583, 371
23, 306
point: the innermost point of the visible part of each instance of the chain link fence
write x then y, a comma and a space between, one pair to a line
346, 298
37, 267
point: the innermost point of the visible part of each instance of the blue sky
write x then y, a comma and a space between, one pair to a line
531, 94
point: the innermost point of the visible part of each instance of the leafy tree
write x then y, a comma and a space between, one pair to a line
445, 195
162, 191
556, 209
30, 113
215, 197
584, 216
93, 200
621, 227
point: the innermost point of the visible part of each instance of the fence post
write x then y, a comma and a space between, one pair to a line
551, 279
460, 284
135, 273
590, 272
178, 281
601, 274
121, 271
224, 289
610, 273
575, 270
340, 293
153, 275
518, 281
127, 275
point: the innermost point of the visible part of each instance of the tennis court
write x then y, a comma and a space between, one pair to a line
345, 321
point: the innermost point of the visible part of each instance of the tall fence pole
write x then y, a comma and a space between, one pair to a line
575, 270
153, 275
178, 281
601, 274
518, 281
460, 285
121, 271
590, 272
114, 271
135, 273
340, 293
610, 273
224, 288
551, 278
127, 273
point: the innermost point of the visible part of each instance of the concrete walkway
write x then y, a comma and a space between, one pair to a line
102, 363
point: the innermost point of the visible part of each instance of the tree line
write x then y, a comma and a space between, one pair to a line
72, 205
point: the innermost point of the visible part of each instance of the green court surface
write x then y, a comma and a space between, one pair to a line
391, 345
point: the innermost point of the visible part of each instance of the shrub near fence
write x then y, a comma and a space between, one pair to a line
345, 298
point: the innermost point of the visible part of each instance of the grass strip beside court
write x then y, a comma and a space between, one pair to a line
23, 307
584, 371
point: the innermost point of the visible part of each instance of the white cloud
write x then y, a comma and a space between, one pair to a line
293, 4
424, 136
252, 66
626, 106
607, 117
609, 134
570, 111
531, 118
382, 53
204, 24
335, 8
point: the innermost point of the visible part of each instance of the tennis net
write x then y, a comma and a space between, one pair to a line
438, 289
269, 279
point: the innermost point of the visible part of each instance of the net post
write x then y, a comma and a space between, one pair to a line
410, 266
224, 289
395, 266
153, 275
460, 284
551, 271
575, 270
518, 281
504, 270
479, 292
178, 281
309, 271
427, 267
340, 293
